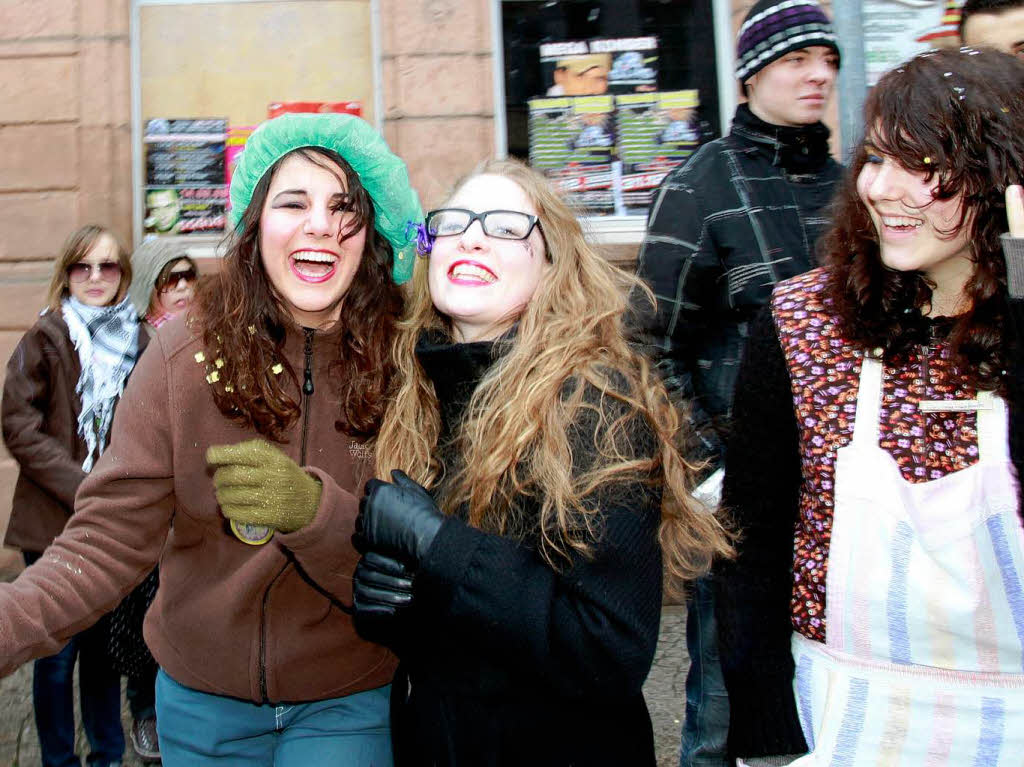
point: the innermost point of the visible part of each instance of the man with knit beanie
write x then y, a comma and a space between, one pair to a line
742, 214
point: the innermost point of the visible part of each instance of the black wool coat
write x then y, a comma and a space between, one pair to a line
507, 661
742, 214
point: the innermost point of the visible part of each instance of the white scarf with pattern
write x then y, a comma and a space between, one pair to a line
107, 341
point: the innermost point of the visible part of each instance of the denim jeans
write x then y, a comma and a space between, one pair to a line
99, 688
198, 729
706, 723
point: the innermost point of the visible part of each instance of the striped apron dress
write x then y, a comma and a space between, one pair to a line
924, 658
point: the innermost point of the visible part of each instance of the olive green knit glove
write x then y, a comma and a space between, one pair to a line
257, 484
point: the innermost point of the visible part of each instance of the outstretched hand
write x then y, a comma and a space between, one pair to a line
257, 484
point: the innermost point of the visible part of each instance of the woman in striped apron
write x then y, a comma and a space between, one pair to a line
875, 613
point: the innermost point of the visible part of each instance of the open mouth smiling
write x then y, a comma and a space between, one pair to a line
471, 273
901, 223
313, 265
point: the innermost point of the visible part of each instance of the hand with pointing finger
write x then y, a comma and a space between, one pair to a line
1015, 210
1013, 241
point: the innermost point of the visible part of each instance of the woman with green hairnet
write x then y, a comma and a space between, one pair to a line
238, 453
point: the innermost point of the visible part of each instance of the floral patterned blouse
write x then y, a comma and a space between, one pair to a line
824, 372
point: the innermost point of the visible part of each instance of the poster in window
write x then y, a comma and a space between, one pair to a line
185, 210
572, 141
278, 108
235, 143
597, 67
655, 132
185, 191
896, 30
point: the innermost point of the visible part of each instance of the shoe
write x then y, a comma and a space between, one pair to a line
145, 741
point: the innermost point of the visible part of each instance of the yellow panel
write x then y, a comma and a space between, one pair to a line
232, 59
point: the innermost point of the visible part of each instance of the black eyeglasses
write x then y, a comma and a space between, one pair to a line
108, 271
172, 279
503, 224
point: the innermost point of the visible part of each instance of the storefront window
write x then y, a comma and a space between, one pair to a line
606, 96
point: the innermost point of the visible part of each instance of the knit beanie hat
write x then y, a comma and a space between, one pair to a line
147, 261
773, 28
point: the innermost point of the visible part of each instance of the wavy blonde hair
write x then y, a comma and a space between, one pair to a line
515, 436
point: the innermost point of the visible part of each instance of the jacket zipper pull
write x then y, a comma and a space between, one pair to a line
307, 379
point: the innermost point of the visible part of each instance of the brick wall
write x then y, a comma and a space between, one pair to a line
437, 88
65, 151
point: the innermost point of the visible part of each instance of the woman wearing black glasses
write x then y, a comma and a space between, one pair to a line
539, 496
62, 384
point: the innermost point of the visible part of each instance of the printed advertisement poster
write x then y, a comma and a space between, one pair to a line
185, 176
572, 141
655, 132
896, 30
186, 210
596, 67
235, 143
185, 152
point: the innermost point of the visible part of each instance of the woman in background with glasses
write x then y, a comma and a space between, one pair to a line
163, 281
62, 384
163, 284
515, 562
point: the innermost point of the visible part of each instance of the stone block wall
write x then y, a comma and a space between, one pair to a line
437, 88
65, 149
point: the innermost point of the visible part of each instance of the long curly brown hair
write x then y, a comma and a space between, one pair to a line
243, 323
957, 116
515, 439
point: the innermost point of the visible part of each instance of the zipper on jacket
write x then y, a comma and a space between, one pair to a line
307, 390
263, 644
263, 636
307, 393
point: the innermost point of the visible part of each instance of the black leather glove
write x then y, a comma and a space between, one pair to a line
398, 518
381, 598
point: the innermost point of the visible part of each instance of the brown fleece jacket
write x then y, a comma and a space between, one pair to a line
261, 623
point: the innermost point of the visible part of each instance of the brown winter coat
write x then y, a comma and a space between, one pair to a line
40, 426
261, 623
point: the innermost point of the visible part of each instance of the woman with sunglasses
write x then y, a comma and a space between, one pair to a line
162, 286
163, 280
538, 496
63, 382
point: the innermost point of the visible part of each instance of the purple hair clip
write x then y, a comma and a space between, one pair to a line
424, 239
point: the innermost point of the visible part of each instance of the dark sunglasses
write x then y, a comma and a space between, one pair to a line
108, 271
172, 279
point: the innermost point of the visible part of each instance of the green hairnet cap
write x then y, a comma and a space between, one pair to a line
381, 172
